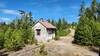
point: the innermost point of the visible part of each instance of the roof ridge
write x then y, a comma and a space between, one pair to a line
47, 24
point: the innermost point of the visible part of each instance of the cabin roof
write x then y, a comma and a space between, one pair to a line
47, 24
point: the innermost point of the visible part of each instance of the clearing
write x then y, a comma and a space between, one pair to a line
62, 47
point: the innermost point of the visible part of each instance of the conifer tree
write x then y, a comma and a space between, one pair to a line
84, 32
82, 9
98, 12
13, 39
59, 24
94, 6
88, 29
1, 39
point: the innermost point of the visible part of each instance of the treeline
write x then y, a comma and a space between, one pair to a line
88, 28
62, 27
18, 33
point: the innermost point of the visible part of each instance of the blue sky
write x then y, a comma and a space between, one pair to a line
53, 9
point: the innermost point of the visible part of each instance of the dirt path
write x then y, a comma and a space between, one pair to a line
64, 47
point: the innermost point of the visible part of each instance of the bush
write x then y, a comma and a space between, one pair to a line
28, 36
14, 41
96, 34
7, 37
63, 32
1, 39
42, 51
56, 38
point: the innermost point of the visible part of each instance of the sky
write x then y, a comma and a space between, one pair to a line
47, 9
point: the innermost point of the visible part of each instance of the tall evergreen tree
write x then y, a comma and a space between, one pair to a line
14, 41
94, 6
1, 39
27, 23
64, 23
83, 32
98, 12
59, 24
49, 20
88, 29
82, 9
94, 9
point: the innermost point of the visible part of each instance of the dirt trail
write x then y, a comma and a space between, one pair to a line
64, 47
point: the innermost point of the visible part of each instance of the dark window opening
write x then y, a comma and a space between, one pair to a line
38, 31
50, 31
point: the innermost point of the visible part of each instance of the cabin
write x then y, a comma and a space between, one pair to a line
44, 31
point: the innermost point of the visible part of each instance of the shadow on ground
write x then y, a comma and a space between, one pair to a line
94, 49
3, 53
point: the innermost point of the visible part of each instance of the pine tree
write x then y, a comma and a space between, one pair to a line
82, 9
59, 24
94, 6
1, 39
53, 22
64, 23
79, 35
97, 41
94, 9
49, 20
27, 23
88, 29
84, 31
8, 44
98, 12
17, 40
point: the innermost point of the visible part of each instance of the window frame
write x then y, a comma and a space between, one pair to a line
38, 31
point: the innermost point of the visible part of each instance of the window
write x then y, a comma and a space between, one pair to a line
50, 31
38, 31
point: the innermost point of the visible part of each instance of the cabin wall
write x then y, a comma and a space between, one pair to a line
43, 33
51, 36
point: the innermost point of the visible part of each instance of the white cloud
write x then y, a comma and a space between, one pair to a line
6, 11
78, 17
2, 4
5, 19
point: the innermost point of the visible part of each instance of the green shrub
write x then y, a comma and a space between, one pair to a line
14, 41
7, 37
28, 36
56, 38
60, 33
42, 51
63, 32
96, 34
1, 39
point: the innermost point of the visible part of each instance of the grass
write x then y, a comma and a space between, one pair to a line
63, 32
